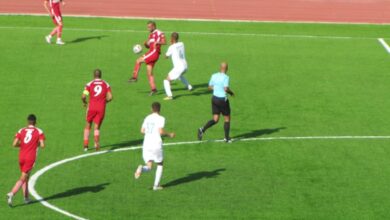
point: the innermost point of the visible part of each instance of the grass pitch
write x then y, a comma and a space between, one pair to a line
287, 83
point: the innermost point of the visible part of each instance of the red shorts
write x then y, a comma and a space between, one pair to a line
151, 57
26, 165
56, 15
95, 116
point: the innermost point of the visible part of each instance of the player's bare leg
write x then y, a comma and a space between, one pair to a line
87, 130
149, 71
25, 192
208, 125
52, 33
143, 169
97, 136
226, 128
159, 171
136, 70
16, 188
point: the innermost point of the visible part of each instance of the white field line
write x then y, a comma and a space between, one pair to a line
196, 19
34, 178
384, 44
197, 33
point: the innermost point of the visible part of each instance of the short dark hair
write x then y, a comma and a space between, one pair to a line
156, 107
32, 119
175, 36
97, 73
152, 22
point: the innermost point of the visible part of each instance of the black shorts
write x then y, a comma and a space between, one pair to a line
220, 106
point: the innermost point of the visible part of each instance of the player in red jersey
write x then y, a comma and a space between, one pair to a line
99, 93
154, 42
28, 139
53, 7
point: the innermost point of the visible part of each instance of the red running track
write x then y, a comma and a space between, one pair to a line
355, 11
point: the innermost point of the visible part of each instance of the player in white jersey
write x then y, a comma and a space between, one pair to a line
177, 53
153, 129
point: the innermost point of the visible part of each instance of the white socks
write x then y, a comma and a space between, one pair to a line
167, 87
159, 171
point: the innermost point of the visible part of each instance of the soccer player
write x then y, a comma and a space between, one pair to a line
153, 129
28, 139
177, 53
154, 42
53, 7
219, 83
99, 92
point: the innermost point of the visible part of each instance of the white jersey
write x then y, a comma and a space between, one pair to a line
152, 125
177, 53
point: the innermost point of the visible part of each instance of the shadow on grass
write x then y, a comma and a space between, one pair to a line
260, 132
72, 192
82, 39
194, 177
123, 144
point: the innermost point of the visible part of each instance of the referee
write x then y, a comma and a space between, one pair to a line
219, 83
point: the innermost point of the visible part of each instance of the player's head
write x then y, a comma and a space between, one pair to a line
156, 107
152, 26
97, 74
31, 119
224, 67
174, 37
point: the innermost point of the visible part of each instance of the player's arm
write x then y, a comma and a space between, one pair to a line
167, 134
42, 143
63, 2
162, 41
229, 91
142, 130
109, 97
84, 98
16, 142
45, 4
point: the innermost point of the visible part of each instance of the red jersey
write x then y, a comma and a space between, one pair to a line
97, 90
155, 36
29, 138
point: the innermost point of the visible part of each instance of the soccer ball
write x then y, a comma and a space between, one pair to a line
137, 48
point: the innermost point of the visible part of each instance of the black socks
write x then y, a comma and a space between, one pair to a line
208, 125
226, 127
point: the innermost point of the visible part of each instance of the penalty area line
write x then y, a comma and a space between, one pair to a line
34, 178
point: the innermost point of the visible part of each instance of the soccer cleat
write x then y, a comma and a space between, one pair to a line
200, 134
168, 98
97, 148
27, 201
156, 188
132, 80
138, 172
60, 42
9, 199
190, 88
153, 92
85, 148
48, 39
228, 141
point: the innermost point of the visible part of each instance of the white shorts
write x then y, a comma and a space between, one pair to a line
153, 154
176, 72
